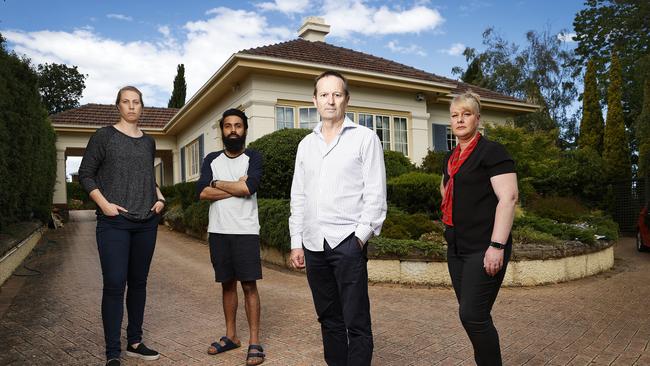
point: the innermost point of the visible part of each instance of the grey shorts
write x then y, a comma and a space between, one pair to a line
235, 257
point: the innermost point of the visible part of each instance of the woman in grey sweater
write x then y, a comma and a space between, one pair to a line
117, 171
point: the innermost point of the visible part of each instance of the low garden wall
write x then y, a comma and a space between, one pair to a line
13, 253
528, 267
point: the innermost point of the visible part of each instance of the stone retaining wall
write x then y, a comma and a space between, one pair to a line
522, 272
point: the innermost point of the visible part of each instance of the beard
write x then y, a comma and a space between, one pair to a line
234, 142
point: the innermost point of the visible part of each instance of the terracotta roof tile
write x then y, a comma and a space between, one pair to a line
327, 54
106, 114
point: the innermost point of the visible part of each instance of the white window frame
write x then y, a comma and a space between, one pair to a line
310, 112
396, 131
285, 108
192, 160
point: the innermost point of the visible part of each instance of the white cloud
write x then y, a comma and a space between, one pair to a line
355, 16
119, 17
456, 49
285, 6
567, 37
203, 46
411, 49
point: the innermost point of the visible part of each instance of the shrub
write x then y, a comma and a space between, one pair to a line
562, 209
184, 194
274, 223
559, 230
195, 217
401, 225
76, 192
174, 217
433, 162
528, 235
416, 192
169, 192
396, 164
402, 248
279, 152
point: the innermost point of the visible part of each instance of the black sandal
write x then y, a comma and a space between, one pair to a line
260, 355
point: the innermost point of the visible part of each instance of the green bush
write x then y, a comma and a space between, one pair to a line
402, 248
580, 174
396, 164
274, 223
27, 144
173, 216
169, 192
562, 209
184, 194
76, 192
528, 235
416, 192
433, 162
401, 225
279, 153
559, 230
195, 217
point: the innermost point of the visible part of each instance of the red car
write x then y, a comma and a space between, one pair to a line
643, 230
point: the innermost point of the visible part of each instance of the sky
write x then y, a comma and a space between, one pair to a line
141, 42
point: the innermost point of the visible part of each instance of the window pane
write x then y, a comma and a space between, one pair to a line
383, 130
283, 117
308, 117
350, 115
451, 139
401, 143
365, 120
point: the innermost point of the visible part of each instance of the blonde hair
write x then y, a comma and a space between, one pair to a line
468, 99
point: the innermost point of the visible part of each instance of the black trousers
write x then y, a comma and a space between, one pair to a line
338, 279
476, 293
125, 252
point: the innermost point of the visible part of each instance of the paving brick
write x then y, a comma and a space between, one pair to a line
55, 318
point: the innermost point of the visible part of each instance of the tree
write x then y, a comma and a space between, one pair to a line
539, 73
605, 25
643, 132
177, 99
592, 124
60, 86
616, 151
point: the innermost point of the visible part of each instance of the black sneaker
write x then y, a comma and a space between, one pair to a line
142, 352
113, 362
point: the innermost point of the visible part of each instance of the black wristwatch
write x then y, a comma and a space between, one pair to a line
494, 244
213, 184
161, 200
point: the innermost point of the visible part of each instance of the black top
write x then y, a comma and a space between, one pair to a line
474, 199
121, 167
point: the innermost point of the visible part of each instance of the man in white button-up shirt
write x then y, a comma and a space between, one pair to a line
338, 202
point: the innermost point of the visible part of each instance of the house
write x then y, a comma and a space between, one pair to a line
407, 107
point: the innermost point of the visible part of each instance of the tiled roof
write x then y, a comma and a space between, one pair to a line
91, 115
327, 54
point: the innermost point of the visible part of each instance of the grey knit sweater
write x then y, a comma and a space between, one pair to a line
121, 167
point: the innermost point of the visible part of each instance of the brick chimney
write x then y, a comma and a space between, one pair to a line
314, 29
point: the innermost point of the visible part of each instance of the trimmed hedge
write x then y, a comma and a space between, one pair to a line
396, 164
27, 144
402, 248
401, 225
433, 161
274, 223
279, 154
416, 192
195, 217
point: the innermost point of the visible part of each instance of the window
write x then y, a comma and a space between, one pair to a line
350, 115
193, 159
382, 127
451, 139
366, 120
284, 117
308, 117
401, 142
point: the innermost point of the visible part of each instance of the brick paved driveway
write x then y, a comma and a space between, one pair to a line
54, 318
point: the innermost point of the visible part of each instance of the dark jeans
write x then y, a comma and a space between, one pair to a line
338, 279
476, 293
125, 251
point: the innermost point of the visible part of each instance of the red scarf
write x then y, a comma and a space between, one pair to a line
454, 163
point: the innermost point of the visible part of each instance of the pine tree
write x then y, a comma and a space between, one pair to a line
616, 152
643, 132
177, 99
592, 124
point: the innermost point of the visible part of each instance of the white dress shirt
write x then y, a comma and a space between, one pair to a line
338, 189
